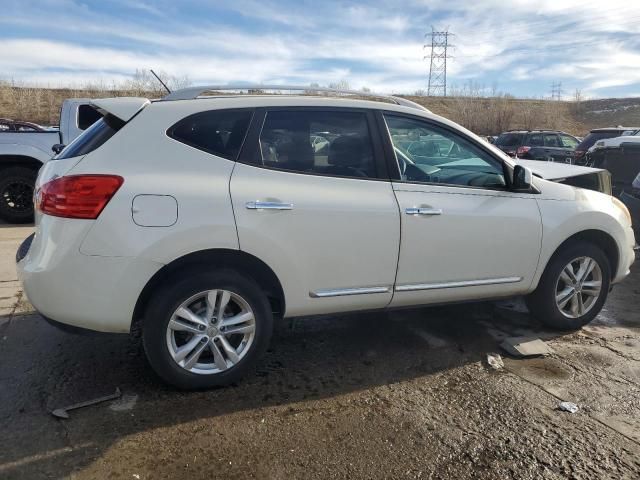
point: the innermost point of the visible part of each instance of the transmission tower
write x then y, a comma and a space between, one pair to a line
438, 65
556, 91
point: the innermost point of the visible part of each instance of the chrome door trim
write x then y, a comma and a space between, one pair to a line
423, 211
258, 205
466, 283
341, 292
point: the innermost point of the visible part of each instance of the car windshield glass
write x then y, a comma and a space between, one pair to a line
92, 138
509, 140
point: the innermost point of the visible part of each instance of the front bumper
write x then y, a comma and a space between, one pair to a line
88, 292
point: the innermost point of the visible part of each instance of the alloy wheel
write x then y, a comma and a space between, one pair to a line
211, 332
578, 287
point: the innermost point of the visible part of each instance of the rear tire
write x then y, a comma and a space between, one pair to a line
573, 287
16, 194
206, 330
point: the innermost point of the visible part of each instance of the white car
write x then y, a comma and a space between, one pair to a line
206, 218
615, 142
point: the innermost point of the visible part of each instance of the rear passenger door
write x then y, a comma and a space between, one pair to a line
312, 199
554, 150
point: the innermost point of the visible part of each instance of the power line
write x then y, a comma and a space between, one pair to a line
556, 91
438, 62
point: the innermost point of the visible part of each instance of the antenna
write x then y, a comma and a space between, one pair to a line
438, 66
163, 84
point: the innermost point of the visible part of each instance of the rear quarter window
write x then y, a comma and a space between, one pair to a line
219, 132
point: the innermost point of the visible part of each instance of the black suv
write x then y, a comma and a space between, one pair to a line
596, 134
548, 145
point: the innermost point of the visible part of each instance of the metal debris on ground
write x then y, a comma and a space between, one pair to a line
63, 412
568, 407
525, 347
495, 361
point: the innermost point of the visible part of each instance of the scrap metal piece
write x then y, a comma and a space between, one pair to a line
525, 347
63, 412
568, 407
495, 361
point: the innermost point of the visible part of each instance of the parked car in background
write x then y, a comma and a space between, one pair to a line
614, 142
579, 156
8, 125
623, 162
25, 146
201, 219
547, 145
631, 198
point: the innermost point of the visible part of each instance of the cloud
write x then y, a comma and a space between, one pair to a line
375, 44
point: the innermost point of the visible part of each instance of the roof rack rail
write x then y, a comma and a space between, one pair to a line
192, 93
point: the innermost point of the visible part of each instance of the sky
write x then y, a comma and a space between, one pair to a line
518, 47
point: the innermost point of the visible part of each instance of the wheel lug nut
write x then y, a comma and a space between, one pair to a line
201, 327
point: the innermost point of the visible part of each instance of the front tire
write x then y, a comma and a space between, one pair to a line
207, 330
573, 287
16, 194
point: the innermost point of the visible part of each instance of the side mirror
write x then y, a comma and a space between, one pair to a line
522, 178
57, 148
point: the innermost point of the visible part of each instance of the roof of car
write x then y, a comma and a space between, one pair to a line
532, 131
613, 129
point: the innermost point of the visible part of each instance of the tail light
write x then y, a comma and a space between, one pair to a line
77, 196
522, 150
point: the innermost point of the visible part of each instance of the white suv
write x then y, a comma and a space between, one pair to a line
206, 218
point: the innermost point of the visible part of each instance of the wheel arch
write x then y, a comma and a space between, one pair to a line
19, 161
600, 238
215, 259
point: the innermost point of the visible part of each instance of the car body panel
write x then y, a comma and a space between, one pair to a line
481, 236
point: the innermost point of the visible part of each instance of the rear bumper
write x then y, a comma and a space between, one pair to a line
88, 292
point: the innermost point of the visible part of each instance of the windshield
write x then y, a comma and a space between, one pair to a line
92, 138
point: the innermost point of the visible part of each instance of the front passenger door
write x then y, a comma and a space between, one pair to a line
464, 235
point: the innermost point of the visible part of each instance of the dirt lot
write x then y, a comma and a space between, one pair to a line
404, 394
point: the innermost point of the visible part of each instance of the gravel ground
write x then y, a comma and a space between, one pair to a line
404, 394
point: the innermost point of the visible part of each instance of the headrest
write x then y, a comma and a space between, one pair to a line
346, 151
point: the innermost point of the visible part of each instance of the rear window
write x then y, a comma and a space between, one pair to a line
92, 138
509, 140
588, 141
87, 116
219, 132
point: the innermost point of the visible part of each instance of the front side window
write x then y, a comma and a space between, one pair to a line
568, 141
430, 154
317, 142
219, 132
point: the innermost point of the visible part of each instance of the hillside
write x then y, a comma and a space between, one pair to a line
485, 116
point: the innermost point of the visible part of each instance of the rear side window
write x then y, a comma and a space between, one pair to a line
509, 140
551, 140
219, 132
87, 116
535, 140
92, 138
319, 142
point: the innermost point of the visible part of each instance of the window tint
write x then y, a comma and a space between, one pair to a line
87, 116
429, 154
568, 141
92, 138
322, 142
509, 140
551, 140
220, 132
535, 140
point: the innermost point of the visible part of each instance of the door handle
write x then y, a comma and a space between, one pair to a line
258, 205
423, 211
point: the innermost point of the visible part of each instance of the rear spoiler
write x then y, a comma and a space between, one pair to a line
122, 107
